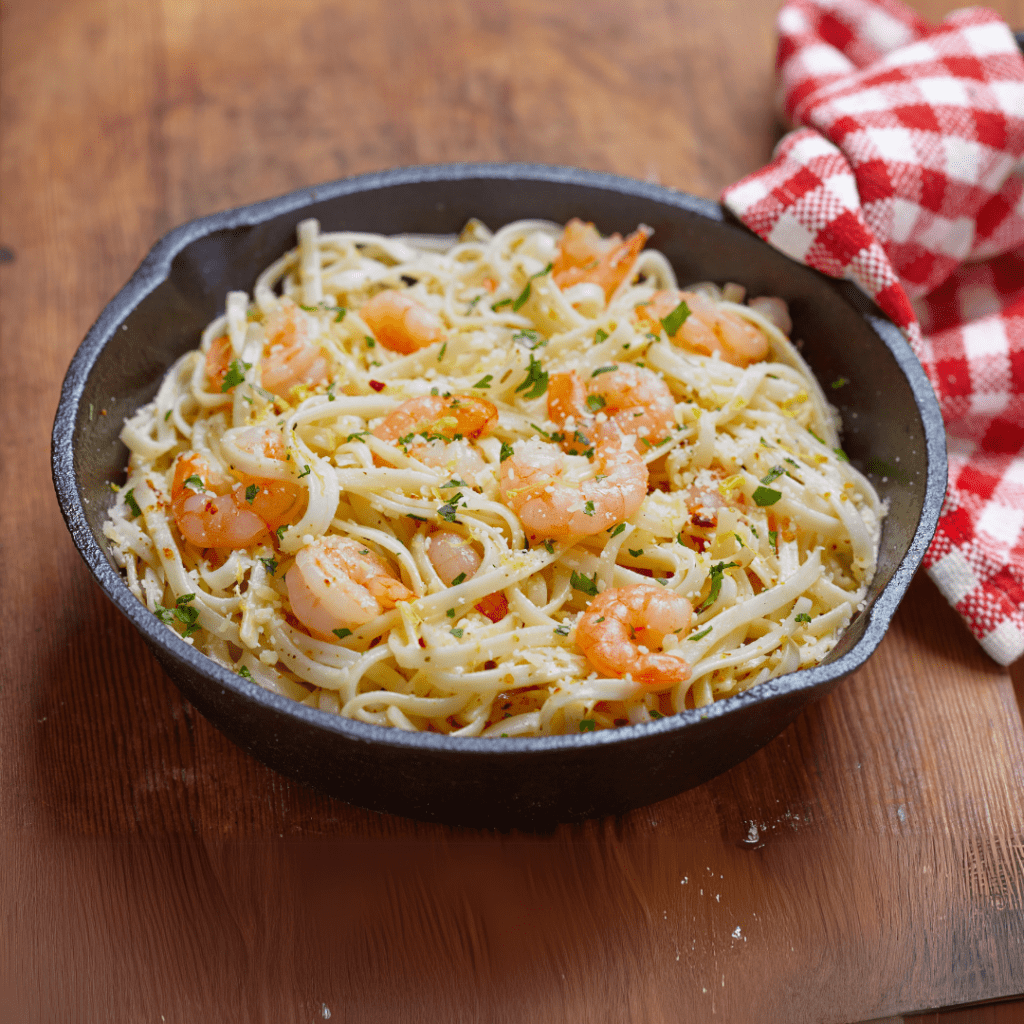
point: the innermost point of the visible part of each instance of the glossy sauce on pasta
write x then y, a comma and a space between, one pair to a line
506, 484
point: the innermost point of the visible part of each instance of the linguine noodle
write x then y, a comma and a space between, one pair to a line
635, 450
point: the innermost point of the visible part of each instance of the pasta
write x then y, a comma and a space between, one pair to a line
505, 484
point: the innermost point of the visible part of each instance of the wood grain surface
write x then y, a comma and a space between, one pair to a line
867, 863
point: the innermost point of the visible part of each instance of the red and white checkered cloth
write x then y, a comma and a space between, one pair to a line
908, 179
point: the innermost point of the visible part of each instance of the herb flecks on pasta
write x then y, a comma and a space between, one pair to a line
506, 484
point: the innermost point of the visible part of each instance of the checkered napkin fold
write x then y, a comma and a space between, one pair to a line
907, 177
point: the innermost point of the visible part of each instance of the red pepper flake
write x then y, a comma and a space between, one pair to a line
377, 385
423, 643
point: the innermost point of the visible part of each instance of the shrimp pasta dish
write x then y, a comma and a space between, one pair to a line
508, 483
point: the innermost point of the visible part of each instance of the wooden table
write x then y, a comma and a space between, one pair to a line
868, 862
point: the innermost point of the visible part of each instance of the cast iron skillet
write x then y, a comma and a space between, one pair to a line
893, 428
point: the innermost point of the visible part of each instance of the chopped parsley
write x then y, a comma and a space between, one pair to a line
280, 531
616, 530
167, 415
484, 382
524, 295
450, 613
340, 315
773, 539
370, 342
535, 383
584, 584
595, 402
305, 471
802, 617
588, 508
187, 615
129, 500
449, 510
841, 455
235, 374
506, 451
717, 572
195, 482
600, 335
767, 495
501, 304
461, 578
457, 633
654, 714
700, 636
270, 565
603, 369
635, 553
675, 319
529, 337
341, 633
245, 673
588, 724
419, 519
839, 382
250, 492
562, 629
454, 482
444, 348
815, 436
549, 547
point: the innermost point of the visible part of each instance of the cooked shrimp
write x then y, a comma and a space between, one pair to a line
452, 556
612, 404
291, 356
277, 501
447, 426
208, 511
583, 255
218, 361
400, 323
339, 583
623, 630
708, 328
561, 495
455, 416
